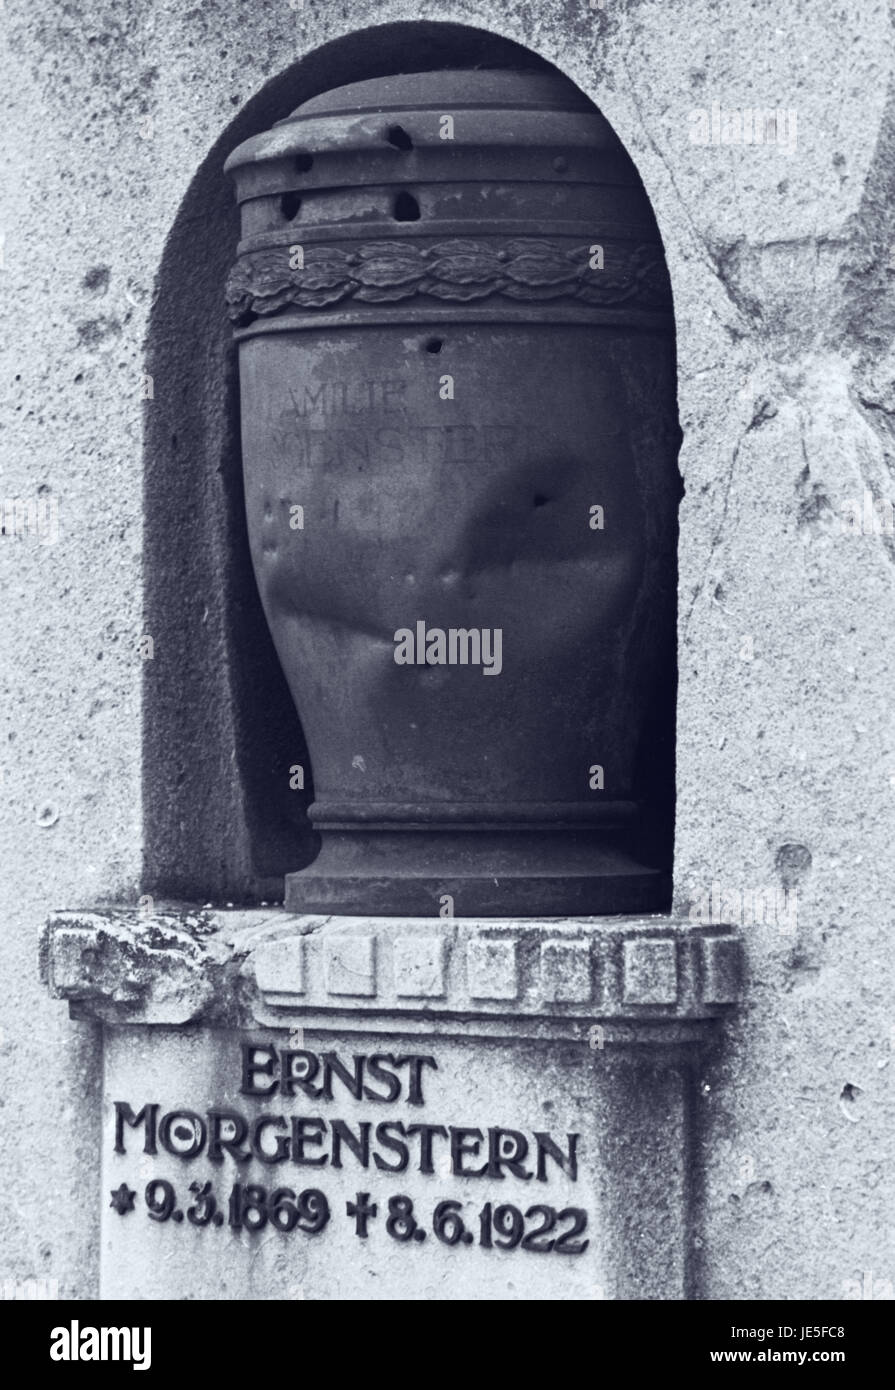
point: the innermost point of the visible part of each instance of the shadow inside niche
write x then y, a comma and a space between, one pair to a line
222, 818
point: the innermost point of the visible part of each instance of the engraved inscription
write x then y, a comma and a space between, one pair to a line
352, 397
325, 447
291, 1082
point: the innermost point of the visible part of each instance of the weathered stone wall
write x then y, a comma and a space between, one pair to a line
783, 270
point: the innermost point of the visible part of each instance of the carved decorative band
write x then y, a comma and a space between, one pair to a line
237, 967
455, 270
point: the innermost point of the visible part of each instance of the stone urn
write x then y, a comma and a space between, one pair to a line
459, 437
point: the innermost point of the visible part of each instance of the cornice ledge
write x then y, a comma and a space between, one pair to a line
240, 967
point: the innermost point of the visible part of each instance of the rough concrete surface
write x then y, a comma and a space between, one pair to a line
783, 271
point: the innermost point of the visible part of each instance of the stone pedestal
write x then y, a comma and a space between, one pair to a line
345, 1108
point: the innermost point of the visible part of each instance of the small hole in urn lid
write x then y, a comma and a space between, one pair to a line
407, 209
396, 135
303, 162
289, 205
433, 344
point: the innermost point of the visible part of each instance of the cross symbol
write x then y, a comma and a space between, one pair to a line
123, 1199
362, 1209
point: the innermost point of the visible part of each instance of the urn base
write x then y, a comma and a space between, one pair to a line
533, 868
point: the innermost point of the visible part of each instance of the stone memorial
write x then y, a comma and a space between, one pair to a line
425, 1076
301, 1107
446, 547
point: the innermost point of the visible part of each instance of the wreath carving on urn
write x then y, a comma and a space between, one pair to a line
459, 269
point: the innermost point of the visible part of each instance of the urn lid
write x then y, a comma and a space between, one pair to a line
482, 189
489, 88
488, 108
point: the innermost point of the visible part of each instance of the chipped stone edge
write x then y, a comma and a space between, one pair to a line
647, 979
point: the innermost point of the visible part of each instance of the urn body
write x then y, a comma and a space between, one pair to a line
459, 440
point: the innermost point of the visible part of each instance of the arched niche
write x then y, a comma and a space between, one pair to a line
222, 821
